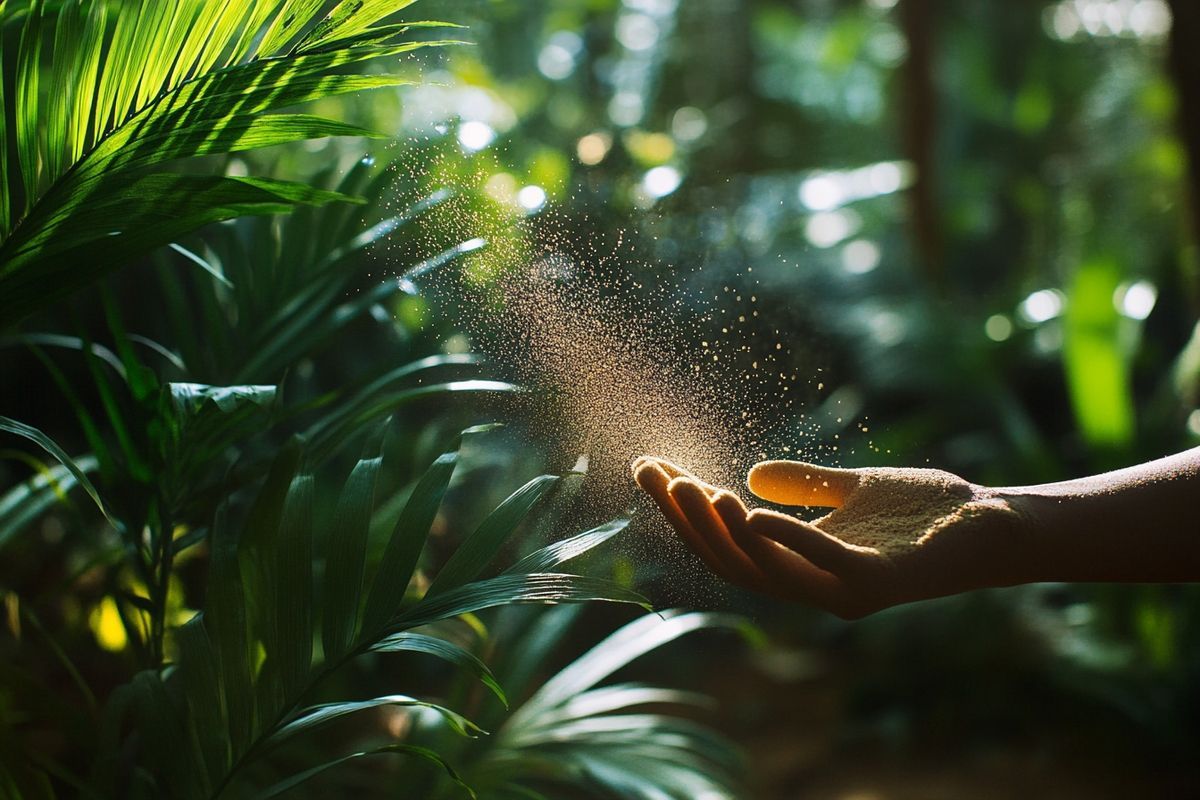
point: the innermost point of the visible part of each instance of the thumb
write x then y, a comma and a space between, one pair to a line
795, 483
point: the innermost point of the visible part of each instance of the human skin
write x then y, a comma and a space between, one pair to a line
897, 535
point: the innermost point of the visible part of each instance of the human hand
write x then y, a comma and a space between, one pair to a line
894, 536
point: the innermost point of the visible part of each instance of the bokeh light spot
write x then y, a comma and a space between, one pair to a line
475, 135
860, 256
998, 327
1137, 300
661, 181
1042, 305
531, 198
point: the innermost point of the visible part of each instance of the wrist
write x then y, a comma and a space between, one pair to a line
1042, 532
1099, 537
1018, 530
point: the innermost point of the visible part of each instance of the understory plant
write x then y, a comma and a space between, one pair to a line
193, 607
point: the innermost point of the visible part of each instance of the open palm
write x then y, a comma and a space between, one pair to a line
894, 535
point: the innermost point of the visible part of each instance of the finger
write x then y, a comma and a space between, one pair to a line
675, 471
696, 505
654, 480
793, 574
827, 552
642, 461
795, 483
670, 467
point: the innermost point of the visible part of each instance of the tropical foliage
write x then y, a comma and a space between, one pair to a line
238, 589
971, 223
106, 95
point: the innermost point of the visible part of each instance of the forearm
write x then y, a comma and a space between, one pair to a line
1140, 524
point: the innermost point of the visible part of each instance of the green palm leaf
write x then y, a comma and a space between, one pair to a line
399, 749
46, 443
246, 665
105, 94
586, 738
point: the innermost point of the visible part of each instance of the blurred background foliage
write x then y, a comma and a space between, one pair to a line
977, 220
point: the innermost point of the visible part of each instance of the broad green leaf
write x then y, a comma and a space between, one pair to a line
26, 97
406, 542
206, 420
351, 17
294, 609
474, 554
191, 398
258, 547
345, 558
227, 623
163, 733
46, 443
443, 649
557, 553
206, 702
292, 17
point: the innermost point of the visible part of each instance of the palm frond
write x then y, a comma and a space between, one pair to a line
106, 94
246, 664
27, 501
578, 736
43, 441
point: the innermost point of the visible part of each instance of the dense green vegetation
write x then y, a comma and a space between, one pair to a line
251, 487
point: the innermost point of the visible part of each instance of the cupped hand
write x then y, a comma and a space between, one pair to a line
894, 535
